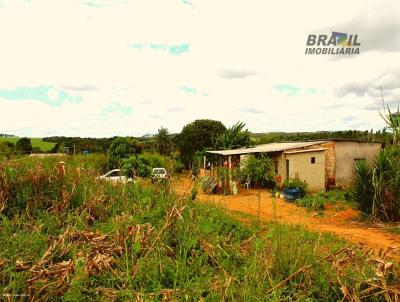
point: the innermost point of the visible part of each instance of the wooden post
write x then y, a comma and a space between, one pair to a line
259, 205
230, 172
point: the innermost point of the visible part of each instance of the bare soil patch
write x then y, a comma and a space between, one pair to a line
339, 219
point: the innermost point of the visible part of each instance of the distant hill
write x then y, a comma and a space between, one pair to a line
270, 137
36, 142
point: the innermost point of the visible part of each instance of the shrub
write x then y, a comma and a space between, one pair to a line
156, 160
6, 149
313, 202
136, 166
178, 166
121, 148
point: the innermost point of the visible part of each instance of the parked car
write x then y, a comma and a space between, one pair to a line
159, 174
115, 176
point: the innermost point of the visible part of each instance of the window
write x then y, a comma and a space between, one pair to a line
313, 160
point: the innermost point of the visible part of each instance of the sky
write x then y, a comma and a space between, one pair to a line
102, 68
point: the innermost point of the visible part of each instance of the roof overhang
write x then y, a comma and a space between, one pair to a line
306, 151
267, 148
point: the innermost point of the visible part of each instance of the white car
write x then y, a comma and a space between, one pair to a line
115, 176
159, 173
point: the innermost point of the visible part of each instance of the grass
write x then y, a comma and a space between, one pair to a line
318, 201
36, 142
67, 236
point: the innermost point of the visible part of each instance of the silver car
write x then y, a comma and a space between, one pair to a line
115, 176
159, 174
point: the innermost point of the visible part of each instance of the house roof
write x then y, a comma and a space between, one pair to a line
266, 148
306, 151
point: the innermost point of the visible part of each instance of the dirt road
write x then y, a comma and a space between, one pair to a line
339, 219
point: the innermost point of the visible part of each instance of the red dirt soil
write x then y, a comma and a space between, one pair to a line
340, 220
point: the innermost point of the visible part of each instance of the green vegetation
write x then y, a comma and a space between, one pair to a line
136, 166
122, 148
296, 183
67, 236
376, 188
23, 146
142, 164
36, 142
163, 143
319, 200
233, 137
198, 136
79, 144
257, 170
265, 138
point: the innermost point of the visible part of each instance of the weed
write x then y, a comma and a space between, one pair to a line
71, 237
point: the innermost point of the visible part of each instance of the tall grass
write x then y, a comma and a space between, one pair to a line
71, 237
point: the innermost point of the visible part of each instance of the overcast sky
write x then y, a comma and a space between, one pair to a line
104, 68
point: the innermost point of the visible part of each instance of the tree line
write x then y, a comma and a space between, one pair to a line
194, 140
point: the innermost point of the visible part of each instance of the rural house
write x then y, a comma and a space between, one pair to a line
323, 164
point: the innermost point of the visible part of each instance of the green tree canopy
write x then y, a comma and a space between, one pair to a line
121, 148
23, 145
198, 136
163, 142
234, 137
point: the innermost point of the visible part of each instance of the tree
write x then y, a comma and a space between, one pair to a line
234, 137
121, 148
24, 145
198, 136
163, 142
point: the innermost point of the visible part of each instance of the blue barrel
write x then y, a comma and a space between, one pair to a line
291, 194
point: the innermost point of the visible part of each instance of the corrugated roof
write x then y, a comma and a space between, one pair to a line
266, 148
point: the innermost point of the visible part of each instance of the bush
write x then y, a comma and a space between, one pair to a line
178, 166
121, 148
6, 149
296, 183
136, 166
313, 202
156, 160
